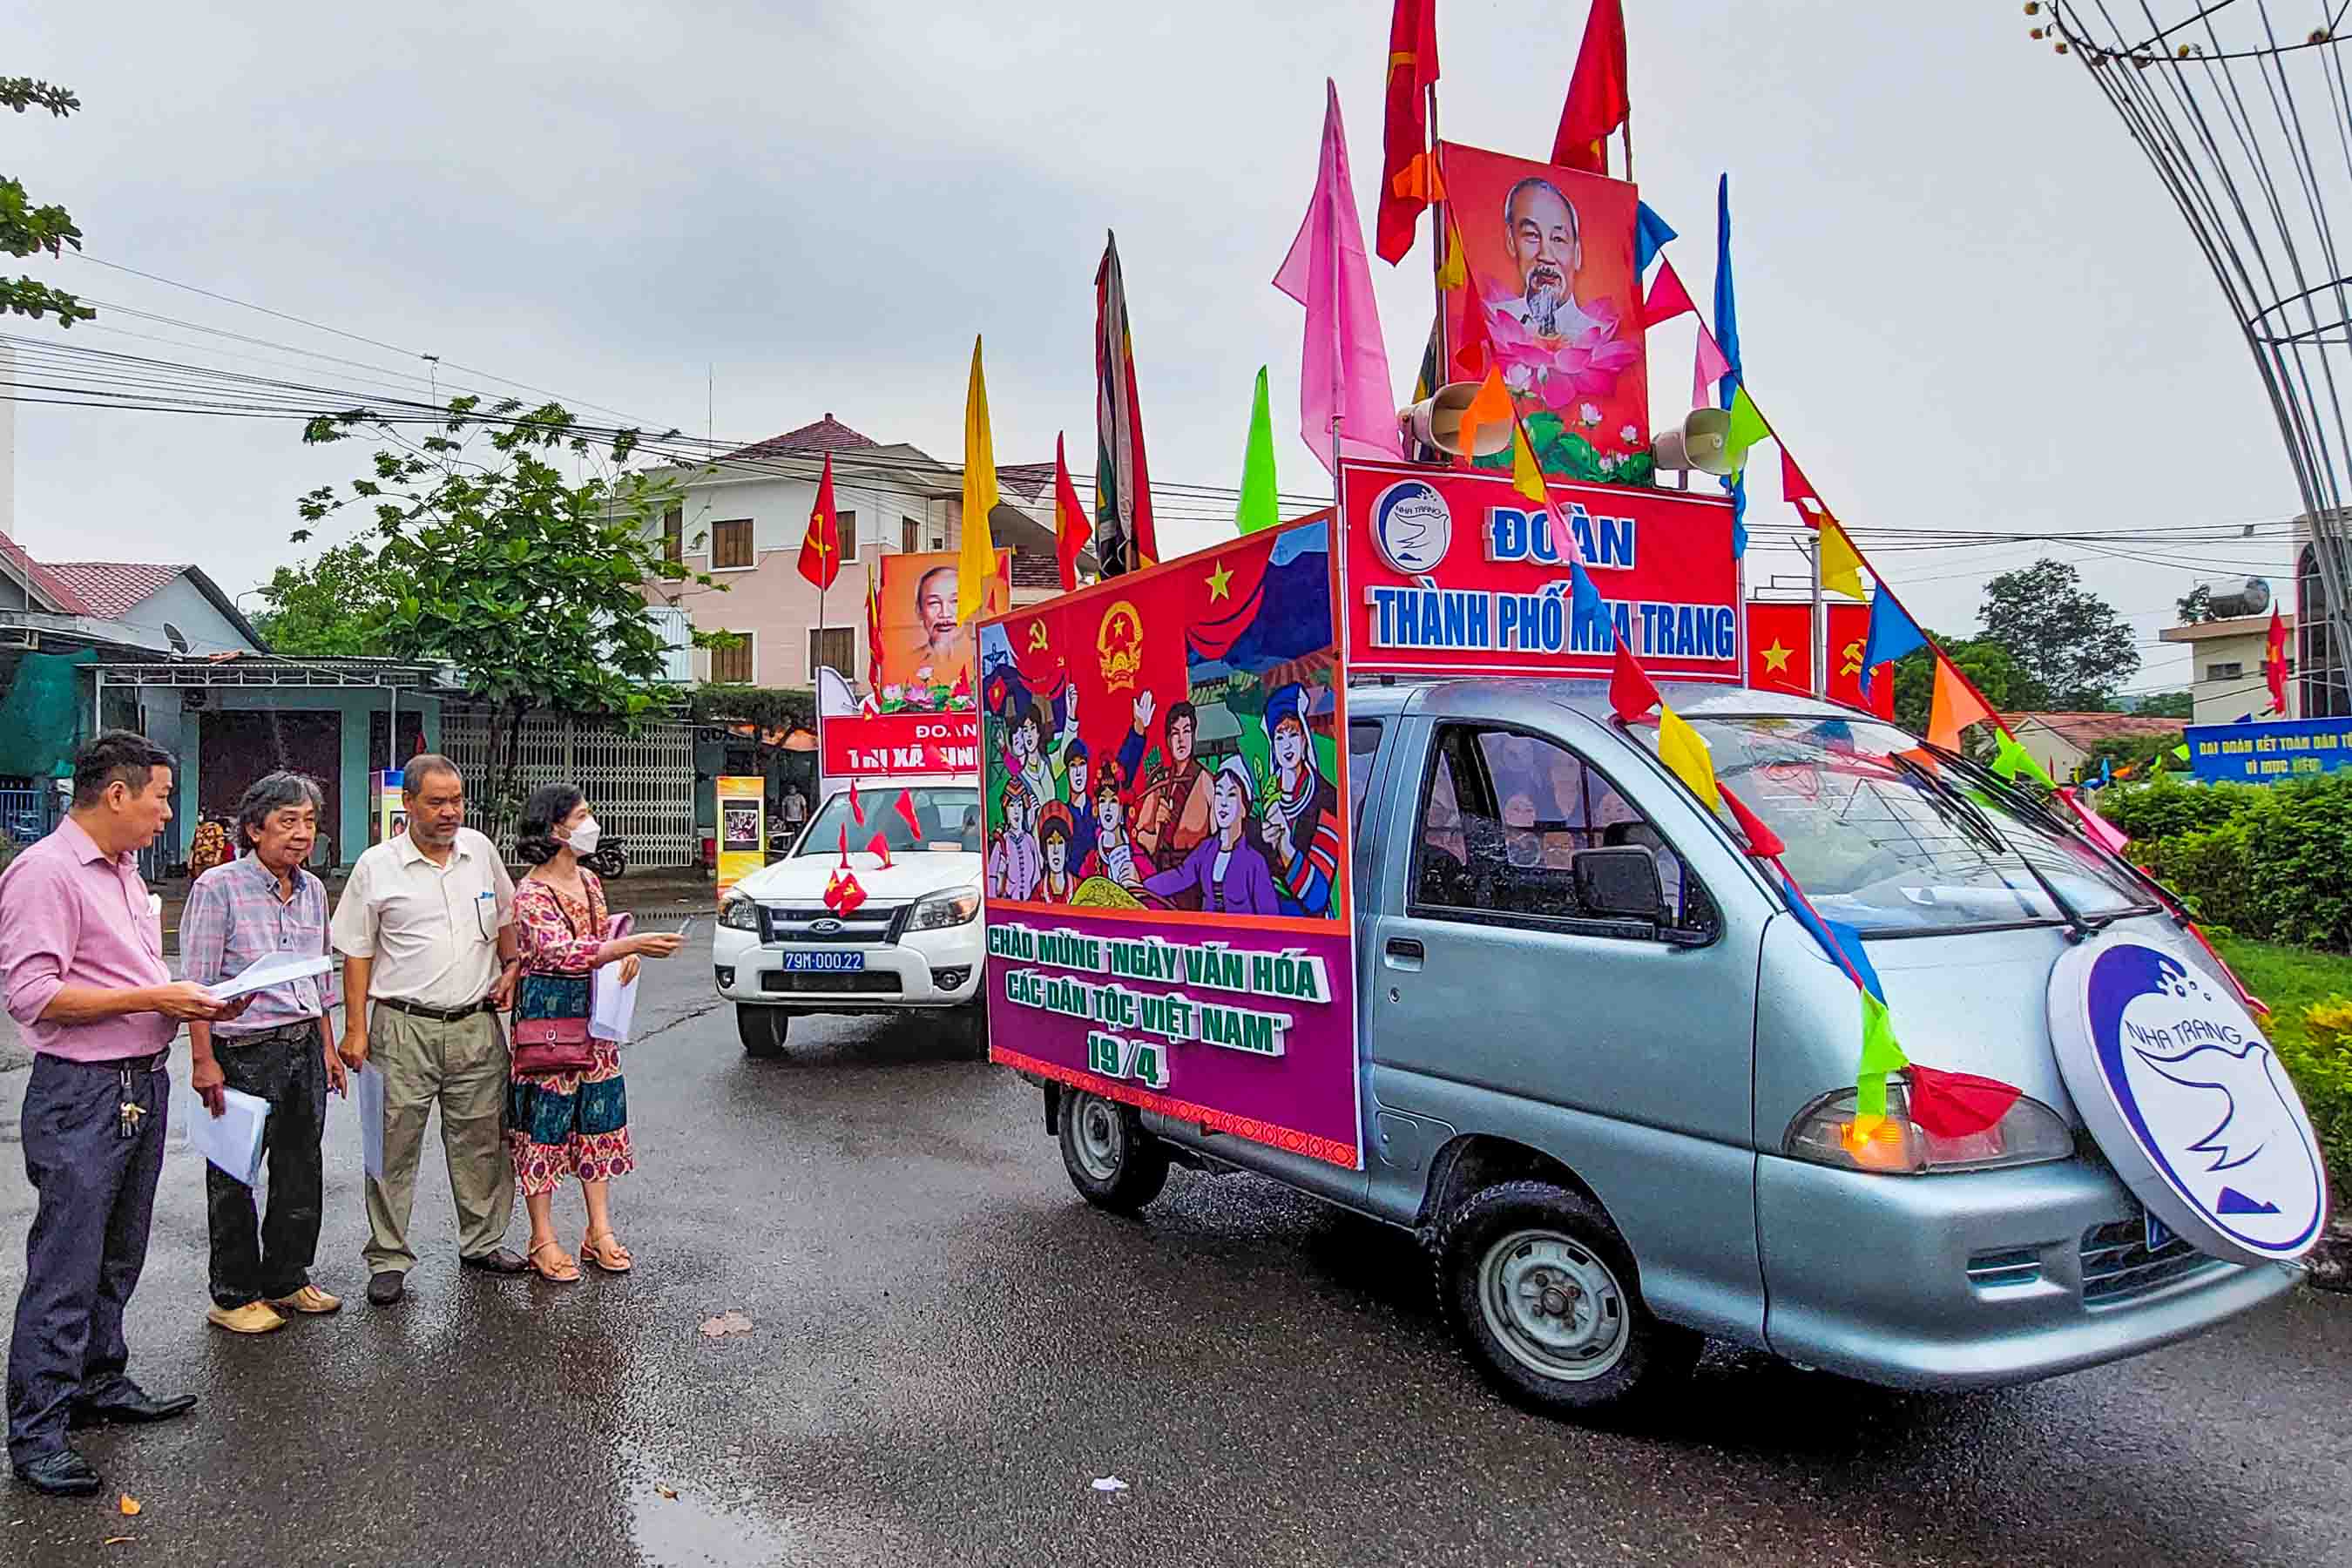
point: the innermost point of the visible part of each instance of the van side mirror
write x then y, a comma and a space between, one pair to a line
1620, 882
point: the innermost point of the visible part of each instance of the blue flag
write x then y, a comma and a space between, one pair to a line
1650, 235
1840, 941
1727, 338
1892, 634
1588, 616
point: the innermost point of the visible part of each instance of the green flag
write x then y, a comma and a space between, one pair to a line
2013, 759
2181, 751
1879, 1056
1257, 509
1748, 427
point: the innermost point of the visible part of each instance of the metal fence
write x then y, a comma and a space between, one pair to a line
26, 815
641, 786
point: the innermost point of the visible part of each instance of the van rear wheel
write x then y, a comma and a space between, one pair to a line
762, 1030
1112, 1161
1545, 1295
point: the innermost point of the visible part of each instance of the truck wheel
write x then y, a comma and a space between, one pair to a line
762, 1030
1112, 1161
1545, 1294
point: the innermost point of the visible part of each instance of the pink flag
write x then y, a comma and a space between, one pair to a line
1708, 370
1668, 298
1343, 372
2102, 832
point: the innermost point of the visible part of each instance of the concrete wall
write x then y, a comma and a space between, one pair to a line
2221, 702
183, 605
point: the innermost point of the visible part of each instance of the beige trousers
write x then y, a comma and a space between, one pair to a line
462, 1067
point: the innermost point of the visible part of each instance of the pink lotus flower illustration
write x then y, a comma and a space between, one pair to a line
1558, 371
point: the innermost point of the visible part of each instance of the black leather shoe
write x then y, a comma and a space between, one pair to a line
62, 1474
125, 1402
501, 1261
386, 1288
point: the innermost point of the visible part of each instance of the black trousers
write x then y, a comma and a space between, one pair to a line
288, 1068
88, 1240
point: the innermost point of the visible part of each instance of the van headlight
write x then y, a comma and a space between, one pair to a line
739, 911
1826, 1132
956, 906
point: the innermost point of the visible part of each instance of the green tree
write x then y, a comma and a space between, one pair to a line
25, 228
531, 585
2072, 651
2167, 705
2197, 605
331, 608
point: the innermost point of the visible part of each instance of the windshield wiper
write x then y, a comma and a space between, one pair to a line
1940, 789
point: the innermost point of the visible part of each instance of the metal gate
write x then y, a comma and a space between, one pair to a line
641, 786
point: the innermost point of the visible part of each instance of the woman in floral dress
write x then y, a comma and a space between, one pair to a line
570, 1123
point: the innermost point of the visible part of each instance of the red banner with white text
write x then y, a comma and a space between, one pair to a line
883, 745
1456, 572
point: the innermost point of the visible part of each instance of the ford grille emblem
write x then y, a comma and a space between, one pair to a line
824, 927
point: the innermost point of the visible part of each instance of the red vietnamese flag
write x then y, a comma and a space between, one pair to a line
1780, 648
857, 808
1598, 99
1072, 527
821, 546
880, 849
2274, 662
1408, 169
906, 811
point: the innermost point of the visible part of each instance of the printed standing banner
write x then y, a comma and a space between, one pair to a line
1549, 252
742, 829
1451, 572
1780, 654
924, 655
1168, 842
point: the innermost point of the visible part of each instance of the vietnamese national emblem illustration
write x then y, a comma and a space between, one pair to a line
1120, 643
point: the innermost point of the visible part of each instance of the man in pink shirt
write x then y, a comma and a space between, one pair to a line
81, 968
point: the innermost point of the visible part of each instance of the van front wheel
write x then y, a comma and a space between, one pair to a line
1112, 1161
1544, 1292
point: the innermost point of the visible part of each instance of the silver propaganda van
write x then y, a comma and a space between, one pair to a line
1610, 1079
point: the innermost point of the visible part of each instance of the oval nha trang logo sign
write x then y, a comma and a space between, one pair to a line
1411, 526
2187, 1101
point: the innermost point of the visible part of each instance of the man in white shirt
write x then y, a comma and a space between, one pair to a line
424, 928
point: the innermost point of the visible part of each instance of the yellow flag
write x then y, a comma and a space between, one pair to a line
979, 561
1681, 748
1527, 474
1841, 566
1453, 274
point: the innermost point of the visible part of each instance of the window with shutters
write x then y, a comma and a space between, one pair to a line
849, 520
732, 661
832, 647
731, 545
673, 536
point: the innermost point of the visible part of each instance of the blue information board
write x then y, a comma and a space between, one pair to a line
2268, 752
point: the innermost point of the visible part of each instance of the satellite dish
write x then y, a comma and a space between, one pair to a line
176, 637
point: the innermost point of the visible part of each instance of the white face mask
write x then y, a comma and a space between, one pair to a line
585, 837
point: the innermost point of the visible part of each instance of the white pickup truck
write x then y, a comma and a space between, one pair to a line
913, 944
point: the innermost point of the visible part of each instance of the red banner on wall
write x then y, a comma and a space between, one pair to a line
1455, 573
881, 745
1780, 654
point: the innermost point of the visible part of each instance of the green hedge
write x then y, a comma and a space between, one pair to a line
2272, 861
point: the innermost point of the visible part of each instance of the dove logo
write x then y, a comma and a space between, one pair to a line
1412, 527
2189, 1103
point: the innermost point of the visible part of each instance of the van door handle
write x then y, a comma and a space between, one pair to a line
1404, 952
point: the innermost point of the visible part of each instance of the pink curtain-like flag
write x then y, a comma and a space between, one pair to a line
1343, 372
2105, 834
1708, 369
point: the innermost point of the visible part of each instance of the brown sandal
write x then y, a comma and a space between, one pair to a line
565, 1272
609, 1256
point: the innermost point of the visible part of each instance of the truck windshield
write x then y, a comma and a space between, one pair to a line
947, 819
1881, 839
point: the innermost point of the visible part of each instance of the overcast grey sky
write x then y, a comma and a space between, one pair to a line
1961, 296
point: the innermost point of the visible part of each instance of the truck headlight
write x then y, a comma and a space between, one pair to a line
956, 906
1826, 1132
739, 911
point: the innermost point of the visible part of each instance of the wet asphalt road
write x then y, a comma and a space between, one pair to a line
948, 1347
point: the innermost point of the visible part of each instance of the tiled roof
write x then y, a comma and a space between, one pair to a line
112, 589
1029, 481
67, 601
827, 435
2089, 729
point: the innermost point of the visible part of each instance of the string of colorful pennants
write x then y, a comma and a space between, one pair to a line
842, 892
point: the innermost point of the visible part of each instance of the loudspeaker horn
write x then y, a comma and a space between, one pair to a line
1703, 443
1437, 422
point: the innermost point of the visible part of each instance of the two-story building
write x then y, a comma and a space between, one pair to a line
743, 517
2225, 675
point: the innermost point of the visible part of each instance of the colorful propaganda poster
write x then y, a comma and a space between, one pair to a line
1549, 256
1451, 572
926, 657
1162, 762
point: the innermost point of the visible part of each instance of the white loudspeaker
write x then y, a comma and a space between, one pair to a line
1702, 443
1437, 422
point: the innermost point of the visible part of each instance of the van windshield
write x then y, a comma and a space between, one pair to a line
949, 820
1878, 841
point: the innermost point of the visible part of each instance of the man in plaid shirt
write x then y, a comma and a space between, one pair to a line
282, 1049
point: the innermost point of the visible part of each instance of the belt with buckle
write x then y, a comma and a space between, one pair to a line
154, 1063
438, 1015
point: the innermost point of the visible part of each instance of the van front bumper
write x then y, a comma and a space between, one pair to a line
1978, 1279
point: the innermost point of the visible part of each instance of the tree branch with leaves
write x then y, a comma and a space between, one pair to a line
27, 229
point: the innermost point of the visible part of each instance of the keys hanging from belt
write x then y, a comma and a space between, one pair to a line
127, 1116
